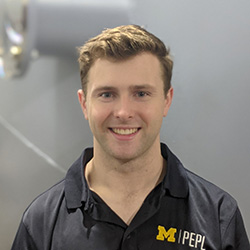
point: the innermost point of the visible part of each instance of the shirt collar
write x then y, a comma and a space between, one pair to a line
77, 191
76, 187
175, 181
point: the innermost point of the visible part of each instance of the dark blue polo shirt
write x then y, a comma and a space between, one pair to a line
183, 212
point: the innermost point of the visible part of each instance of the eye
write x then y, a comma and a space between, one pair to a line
106, 95
142, 94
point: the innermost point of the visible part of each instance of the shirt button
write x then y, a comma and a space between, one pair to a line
129, 237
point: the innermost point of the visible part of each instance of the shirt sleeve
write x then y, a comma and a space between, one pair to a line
23, 239
235, 236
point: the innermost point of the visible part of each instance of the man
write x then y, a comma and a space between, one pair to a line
129, 191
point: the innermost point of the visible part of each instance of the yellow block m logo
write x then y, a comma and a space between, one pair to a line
163, 234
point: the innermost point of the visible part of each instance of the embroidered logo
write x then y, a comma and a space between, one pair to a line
182, 237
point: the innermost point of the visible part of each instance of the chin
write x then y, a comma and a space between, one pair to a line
124, 157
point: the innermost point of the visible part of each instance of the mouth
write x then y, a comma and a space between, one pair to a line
127, 131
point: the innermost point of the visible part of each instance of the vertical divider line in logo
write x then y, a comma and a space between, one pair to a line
179, 237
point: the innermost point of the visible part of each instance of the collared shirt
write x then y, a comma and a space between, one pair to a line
183, 212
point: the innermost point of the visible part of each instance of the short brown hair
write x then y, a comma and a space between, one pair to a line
121, 43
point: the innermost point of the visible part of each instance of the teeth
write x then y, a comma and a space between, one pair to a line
124, 131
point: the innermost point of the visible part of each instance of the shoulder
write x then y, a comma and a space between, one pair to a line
48, 198
207, 191
36, 228
198, 189
43, 209
220, 209
211, 200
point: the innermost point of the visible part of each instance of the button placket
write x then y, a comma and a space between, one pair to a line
130, 241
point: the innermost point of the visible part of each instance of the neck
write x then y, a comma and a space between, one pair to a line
124, 177
124, 185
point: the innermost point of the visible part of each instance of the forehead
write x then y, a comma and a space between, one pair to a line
143, 68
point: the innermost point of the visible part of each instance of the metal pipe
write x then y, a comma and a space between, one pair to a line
52, 27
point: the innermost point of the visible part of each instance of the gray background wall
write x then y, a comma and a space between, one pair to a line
42, 130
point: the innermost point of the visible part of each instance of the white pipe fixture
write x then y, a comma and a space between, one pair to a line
52, 27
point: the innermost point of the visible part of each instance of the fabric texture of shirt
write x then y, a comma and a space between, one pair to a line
183, 212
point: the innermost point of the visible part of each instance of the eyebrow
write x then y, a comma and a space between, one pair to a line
104, 88
142, 86
131, 88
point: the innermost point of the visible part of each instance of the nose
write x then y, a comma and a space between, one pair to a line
124, 108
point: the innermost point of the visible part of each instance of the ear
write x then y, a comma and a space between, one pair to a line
83, 102
168, 101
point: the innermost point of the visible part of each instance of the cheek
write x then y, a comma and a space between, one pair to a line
98, 116
152, 117
154, 111
157, 119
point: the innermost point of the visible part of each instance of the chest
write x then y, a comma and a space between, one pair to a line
169, 226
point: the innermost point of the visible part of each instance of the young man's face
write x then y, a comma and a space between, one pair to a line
125, 105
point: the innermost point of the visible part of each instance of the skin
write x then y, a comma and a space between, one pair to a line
125, 106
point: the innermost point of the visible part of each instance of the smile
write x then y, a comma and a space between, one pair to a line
128, 131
